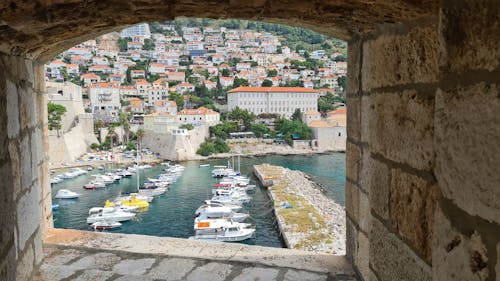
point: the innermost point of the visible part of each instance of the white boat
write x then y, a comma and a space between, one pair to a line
100, 168
66, 194
89, 168
104, 178
115, 177
204, 165
230, 196
215, 203
222, 230
93, 185
103, 225
108, 214
210, 213
56, 180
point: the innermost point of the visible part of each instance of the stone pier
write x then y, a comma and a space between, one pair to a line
306, 217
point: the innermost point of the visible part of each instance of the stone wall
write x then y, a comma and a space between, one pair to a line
25, 192
175, 147
422, 193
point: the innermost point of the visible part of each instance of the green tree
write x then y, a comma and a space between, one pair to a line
122, 43
124, 122
242, 116
272, 73
186, 126
178, 98
259, 129
225, 72
148, 45
293, 127
240, 82
342, 82
55, 113
297, 115
206, 149
140, 135
267, 83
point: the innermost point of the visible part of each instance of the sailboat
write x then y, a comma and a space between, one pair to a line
134, 200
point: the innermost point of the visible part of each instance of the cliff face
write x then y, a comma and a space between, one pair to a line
175, 147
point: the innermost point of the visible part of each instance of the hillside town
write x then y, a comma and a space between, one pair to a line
189, 92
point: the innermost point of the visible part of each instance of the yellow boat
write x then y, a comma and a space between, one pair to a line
133, 201
109, 204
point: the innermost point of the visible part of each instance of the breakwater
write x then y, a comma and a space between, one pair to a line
307, 218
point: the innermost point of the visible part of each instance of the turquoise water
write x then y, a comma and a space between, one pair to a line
172, 214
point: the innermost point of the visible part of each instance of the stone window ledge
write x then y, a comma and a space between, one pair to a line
243, 256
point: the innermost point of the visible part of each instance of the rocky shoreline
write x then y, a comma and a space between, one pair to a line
307, 218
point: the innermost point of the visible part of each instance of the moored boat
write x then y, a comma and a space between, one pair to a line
222, 230
66, 194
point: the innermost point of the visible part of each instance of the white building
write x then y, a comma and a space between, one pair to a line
104, 100
136, 30
279, 100
198, 117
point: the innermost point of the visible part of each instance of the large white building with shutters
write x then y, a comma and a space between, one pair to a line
278, 100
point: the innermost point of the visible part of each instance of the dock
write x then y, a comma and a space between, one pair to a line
307, 219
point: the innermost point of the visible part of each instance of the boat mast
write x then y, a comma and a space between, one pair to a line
137, 166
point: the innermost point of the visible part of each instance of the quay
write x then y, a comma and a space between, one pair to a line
306, 217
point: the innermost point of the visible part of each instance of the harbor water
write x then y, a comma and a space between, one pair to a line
172, 214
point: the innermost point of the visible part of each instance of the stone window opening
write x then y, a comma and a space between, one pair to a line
409, 85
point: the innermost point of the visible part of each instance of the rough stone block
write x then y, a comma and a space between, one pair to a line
258, 273
354, 118
392, 60
401, 127
63, 256
353, 158
8, 264
364, 212
210, 271
412, 204
467, 148
38, 247
352, 201
25, 165
351, 240
102, 261
136, 267
392, 259
25, 265
362, 262
172, 269
375, 177
460, 257
27, 108
36, 147
497, 267
365, 121
94, 275
292, 275
7, 217
470, 34
28, 216
13, 126
54, 272
15, 165
353, 68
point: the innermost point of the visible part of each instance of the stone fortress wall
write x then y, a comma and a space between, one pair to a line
422, 196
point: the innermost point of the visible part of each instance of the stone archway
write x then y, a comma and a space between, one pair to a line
422, 156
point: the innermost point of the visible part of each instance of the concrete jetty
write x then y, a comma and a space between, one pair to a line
306, 217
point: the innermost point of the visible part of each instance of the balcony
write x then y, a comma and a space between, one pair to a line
73, 254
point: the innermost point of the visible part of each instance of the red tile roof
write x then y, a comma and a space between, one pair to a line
274, 90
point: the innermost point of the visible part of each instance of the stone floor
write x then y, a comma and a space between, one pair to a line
78, 255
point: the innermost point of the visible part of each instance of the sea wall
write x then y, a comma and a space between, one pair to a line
306, 217
67, 147
175, 147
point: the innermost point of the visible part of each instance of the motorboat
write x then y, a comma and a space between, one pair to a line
55, 207
230, 196
133, 200
101, 168
66, 194
115, 177
104, 225
204, 165
209, 213
89, 168
104, 178
222, 230
109, 204
93, 185
215, 203
108, 214
56, 180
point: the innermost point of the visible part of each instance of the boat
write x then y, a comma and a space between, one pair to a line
55, 207
230, 196
89, 168
108, 214
100, 168
104, 178
223, 212
222, 230
215, 203
109, 204
93, 185
204, 165
103, 225
66, 194
56, 180
133, 200
115, 177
